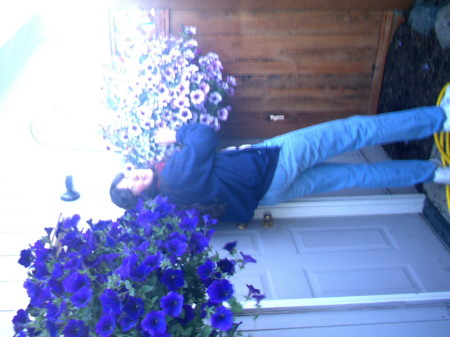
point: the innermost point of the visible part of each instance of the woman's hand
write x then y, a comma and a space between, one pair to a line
165, 136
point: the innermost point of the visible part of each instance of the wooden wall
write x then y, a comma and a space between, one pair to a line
297, 60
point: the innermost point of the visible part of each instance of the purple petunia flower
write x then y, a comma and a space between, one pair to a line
205, 87
110, 302
247, 258
190, 30
252, 290
154, 323
184, 114
220, 290
105, 326
259, 298
222, 319
222, 114
197, 96
76, 328
206, 270
196, 77
173, 279
172, 304
215, 98
26, 258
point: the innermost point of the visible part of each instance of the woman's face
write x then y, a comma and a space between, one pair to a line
137, 180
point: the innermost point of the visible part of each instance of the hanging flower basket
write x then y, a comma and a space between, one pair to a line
151, 272
162, 83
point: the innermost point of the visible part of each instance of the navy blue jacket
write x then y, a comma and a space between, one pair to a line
199, 174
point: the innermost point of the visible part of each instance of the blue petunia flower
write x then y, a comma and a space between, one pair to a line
127, 322
189, 314
188, 223
206, 270
73, 261
173, 279
20, 319
176, 247
110, 302
134, 307
73, 241
52, 329
105, 326
54, 312
82, 297
38, 295
172, 304
198, 243
58, 270
222, 319
154, 323
75, 281
75, 328
230, 246
226, 266
220, 290
26, 258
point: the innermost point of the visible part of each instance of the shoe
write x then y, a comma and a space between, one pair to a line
442, 175
445, 105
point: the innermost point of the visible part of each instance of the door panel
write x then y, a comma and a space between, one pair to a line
345, 256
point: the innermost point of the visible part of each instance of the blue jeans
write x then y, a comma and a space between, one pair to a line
301, 169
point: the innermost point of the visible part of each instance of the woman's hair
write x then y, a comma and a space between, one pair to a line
124, 198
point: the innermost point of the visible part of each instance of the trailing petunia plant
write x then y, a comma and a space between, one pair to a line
163, 82
150, 273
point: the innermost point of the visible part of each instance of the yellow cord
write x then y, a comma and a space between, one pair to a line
442, 140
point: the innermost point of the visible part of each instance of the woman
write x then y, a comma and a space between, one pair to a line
285, 167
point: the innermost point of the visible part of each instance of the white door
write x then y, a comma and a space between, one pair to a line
340, 256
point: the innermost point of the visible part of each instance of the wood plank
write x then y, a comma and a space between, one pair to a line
296, 81
269, 68
209, 43
276, 23
303, 104
271, 5
294, 54
328, 92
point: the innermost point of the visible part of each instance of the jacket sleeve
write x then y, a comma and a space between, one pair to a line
195, 160
199, 141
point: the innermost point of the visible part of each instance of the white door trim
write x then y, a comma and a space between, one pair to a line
350, 302
346, 206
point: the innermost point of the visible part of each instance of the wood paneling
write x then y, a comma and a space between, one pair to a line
306, 66
271, 5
